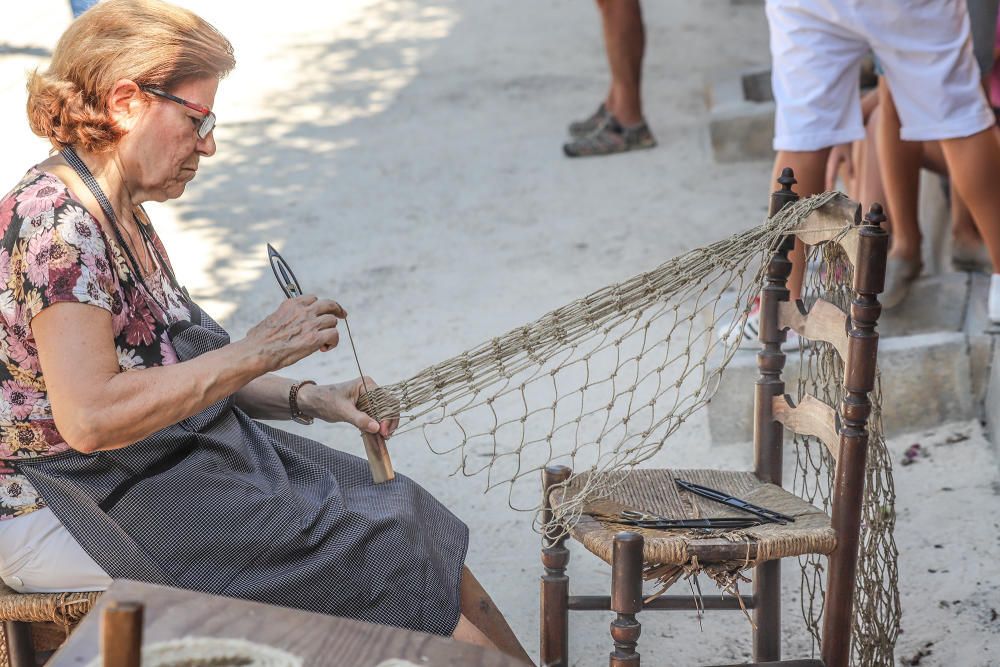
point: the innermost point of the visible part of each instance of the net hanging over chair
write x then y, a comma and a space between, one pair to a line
602, 383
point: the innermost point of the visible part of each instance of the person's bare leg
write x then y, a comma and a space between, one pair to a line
973, 163
609, 100
478, 608
870, 188
625, 43
968, 250
932, 157
810, 172
852, 181
899, 165
963, 227
468, 633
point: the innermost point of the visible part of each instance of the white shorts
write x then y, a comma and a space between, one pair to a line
924, 47
38, 555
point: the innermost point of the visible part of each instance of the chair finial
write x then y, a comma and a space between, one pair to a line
787, 179
875, 216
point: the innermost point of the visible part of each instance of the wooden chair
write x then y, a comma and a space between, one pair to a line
629, 552
35, 624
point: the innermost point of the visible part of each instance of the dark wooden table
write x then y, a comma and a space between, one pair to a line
318, 639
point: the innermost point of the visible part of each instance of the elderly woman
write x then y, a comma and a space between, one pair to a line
129, 442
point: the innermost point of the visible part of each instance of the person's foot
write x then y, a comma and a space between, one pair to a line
610, 138
993, 305
745, 335
899, 276
581, 128
971, 256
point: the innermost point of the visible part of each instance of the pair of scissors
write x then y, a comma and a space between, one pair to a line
764, 513
643, 520
287, 281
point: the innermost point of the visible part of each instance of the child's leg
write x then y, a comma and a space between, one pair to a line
870, 188
968, 250
974, 163
810, 172
899, 166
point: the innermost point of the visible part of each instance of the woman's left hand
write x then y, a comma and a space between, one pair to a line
339, 403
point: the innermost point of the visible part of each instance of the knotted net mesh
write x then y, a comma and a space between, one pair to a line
821, 373
601, 383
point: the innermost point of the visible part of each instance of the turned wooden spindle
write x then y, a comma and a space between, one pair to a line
849, 479
121, 634
626, 598
554, 635
767, 432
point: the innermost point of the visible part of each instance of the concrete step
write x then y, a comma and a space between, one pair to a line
985, 359
740, 116
935, 303
934, 354
926, 381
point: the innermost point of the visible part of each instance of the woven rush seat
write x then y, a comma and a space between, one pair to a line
654, 492
51, 617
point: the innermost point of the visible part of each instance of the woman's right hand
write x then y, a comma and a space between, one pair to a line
299, 327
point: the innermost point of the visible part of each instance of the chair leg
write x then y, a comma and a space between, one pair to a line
19, 645
842, 567
554, 616
767, 612
121, 634
626, 598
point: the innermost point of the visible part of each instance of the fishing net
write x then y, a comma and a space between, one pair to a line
601, 383
821, 373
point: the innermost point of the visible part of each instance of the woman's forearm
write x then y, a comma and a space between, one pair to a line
135, 404
266, 397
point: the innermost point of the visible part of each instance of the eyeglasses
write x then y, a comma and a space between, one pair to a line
205, 125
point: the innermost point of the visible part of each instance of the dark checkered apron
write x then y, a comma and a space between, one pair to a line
223, 504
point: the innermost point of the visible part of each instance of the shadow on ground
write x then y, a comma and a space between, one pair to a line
15, 50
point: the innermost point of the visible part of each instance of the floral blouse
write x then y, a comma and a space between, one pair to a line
53, 250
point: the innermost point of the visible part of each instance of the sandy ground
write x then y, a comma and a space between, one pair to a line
404, 157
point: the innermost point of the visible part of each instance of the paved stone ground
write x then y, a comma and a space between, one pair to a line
405, 158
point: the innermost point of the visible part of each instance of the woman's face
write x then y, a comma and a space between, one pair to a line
161, 150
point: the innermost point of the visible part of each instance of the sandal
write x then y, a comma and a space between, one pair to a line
581, 128
899, 275
611, 137
971, 257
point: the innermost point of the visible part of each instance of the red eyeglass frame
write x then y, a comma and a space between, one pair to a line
207, 123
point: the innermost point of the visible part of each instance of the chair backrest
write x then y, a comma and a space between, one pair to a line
855, 339
852, 334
